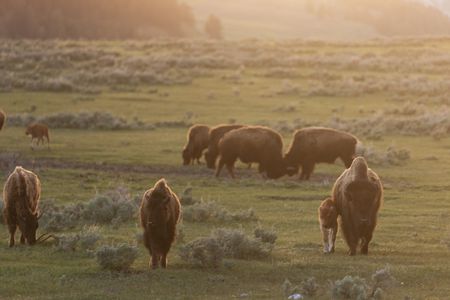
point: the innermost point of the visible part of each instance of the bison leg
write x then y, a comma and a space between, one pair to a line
230, 168
365, 244
155, 260
31, 144
164, 261
219, 167
325, 239
307, 170
332, 237
22, 239
12, 232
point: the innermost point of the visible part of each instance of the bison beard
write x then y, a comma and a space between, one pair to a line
159, 215
358, 195
21, 195
318, 145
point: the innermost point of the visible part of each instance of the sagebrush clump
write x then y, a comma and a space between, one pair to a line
203, 252
116, 258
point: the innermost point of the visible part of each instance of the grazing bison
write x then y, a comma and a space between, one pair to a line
197, 141
2, 118
21, 195
317, 144
252, 144
159, 215
38, 131
215, 134
358, 195
328, 224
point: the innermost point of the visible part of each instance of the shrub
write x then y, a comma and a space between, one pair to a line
266, 236
83, 240
187, 198
391, 156
350, 288
116, 258
236, 244
203, 252
211, 211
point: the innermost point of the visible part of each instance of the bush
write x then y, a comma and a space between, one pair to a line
203, 252
391, 156
350, 288
236, 244
116, 258
83, 240
266, 236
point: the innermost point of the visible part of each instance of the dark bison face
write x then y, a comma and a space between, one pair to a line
186, 157
29, 228
159, 210
362, 199
210, 160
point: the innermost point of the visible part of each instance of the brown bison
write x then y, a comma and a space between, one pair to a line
21, 195
197, 141
257, 144
38, 131
215, 134
358, 195
2, 119
159, 215
328, 224
316, 145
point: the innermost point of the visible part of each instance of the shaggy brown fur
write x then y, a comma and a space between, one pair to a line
197, 141
38, 131
328, 224
215, 134
2, 119
21, 195
159, 215
358, 194
252, 144
316, 145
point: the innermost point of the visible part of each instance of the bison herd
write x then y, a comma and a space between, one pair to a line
356, 195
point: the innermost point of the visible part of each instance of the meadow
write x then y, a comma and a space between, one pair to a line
118, 114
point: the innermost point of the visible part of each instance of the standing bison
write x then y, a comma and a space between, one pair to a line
197, 141
215, 134
2, 118
252, 144
328, 224
21, 195
159, 215
358, 195
38, 131
316, 145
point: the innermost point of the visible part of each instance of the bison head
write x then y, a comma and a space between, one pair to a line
28, 225
186, 156
362, 200
210, 160
159, 204
328, 213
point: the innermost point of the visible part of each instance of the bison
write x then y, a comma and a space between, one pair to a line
316, 145
328, 224
38, 131
159, 215
197, 141
215, 134
252, 144
21, 195
2, 119
358, 194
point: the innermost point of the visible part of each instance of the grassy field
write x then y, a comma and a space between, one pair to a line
400, 80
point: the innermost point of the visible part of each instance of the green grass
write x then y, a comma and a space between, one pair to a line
412, 221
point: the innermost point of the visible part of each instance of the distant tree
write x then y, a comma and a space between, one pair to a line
213, 28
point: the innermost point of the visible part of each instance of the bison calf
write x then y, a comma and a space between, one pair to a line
358, 194
21, 195
252, 144
328, 224
2, 118
38, 131
159, 215
215, 135
197, 141
316, 145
